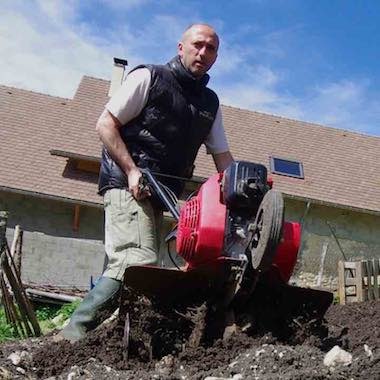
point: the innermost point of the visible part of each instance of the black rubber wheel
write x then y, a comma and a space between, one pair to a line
267, 230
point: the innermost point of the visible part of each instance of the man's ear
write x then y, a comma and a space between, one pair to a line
180, 49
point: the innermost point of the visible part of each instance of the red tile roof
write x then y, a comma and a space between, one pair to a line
340, 167
29, 125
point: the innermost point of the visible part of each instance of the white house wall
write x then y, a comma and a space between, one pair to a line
358, 235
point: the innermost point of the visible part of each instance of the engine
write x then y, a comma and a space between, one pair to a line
219, 220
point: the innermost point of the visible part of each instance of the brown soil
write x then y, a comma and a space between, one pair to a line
164, 345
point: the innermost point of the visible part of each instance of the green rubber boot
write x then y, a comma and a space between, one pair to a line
98, 304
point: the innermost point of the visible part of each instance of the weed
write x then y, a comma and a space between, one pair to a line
68, 309
6, 330
336, 300
45, 316
44, 313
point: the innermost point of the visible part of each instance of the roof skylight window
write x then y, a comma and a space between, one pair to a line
286, 167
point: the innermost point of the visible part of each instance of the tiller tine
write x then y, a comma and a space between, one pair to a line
307, 301
216, 282
293, 300
173, 285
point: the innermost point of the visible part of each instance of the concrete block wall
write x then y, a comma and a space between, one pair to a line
358, 234
53, 253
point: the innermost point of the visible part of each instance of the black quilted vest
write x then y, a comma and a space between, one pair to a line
169, 131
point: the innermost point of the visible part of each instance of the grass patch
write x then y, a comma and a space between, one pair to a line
49, 318
44, 313
68, 309
6, 330
52, 317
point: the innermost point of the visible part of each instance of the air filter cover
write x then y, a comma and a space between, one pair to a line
201, 225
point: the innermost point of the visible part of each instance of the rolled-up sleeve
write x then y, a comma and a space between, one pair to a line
131, 97
216, 141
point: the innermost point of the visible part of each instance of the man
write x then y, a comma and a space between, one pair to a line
158, 120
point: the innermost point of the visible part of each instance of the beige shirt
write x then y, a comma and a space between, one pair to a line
132, 96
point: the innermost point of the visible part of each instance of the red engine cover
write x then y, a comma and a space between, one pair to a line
201, 225
201, 231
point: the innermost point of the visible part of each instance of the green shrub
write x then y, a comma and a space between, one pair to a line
68, 309
45, 316
44, 313
6, 330
336, 300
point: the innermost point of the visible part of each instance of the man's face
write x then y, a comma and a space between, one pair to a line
198, 49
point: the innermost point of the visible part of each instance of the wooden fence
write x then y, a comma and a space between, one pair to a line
18, 310
359, 280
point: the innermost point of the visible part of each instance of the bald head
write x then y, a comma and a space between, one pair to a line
198, 48
194, 28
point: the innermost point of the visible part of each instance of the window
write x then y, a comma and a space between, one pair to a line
289, 168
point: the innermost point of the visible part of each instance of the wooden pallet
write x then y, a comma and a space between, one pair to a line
358, 280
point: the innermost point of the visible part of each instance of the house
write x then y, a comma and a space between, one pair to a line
49, 160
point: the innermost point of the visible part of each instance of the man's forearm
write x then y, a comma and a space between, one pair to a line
222, 160
108, 130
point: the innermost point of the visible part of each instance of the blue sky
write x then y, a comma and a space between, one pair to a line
312, 60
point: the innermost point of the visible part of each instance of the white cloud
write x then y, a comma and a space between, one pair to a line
44, 47
343, 91
159, 36
46, 51
258, 89
43, 52
344, 104
258, 98
227, 62
124, 4
57, 10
